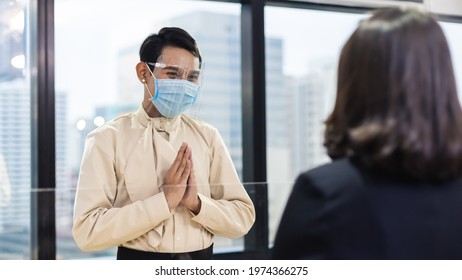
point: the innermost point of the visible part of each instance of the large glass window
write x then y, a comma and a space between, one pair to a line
302, 50
452, 32
15, 131
97, 44
96, 51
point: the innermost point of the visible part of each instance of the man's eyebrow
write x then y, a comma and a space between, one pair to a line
171, 67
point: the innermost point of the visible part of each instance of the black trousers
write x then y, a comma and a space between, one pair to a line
124, 253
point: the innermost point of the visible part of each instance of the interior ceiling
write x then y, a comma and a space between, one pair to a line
445, 7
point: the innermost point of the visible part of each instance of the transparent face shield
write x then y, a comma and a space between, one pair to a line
179, 68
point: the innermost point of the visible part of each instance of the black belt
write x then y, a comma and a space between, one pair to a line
124, 253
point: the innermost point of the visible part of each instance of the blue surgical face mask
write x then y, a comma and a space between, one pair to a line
173, 96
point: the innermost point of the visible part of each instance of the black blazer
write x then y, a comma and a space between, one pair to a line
342, 211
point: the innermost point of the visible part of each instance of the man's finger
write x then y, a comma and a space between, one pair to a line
186, 172
179, 157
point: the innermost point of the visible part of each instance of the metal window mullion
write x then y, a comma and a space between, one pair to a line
43, 221
254, 122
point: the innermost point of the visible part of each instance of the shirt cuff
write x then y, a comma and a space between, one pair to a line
157, 208
206, 206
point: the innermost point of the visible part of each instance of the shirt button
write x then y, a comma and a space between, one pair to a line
178, 238
168, 123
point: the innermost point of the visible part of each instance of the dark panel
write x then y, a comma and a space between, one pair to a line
43, 225
254, 122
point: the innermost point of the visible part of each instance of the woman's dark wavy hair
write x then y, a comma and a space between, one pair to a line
397, 108
153, 45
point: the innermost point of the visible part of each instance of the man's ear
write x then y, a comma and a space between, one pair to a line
141, 71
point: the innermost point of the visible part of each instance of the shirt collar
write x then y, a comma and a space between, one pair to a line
160, 123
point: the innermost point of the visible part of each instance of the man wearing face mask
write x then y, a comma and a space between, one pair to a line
157, 183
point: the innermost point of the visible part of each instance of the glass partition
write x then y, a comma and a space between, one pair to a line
96, 80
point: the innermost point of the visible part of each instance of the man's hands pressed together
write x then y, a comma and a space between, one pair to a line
180, 183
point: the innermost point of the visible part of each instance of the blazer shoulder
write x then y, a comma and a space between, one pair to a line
342, 167
334, 177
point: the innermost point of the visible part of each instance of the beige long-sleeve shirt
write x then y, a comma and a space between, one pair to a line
119, 201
